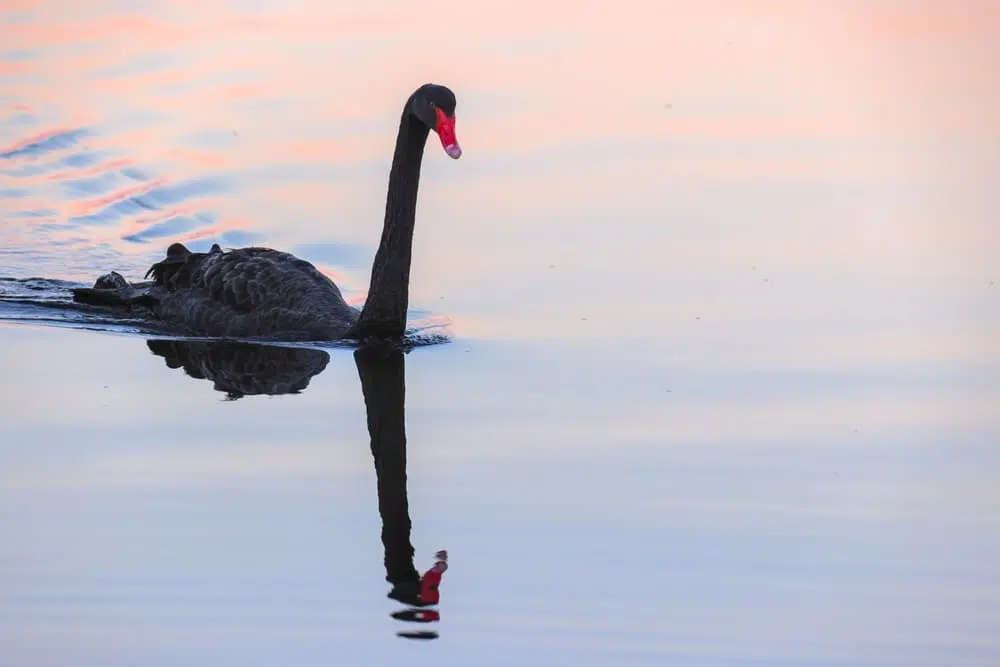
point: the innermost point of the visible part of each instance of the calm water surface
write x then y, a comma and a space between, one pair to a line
721, 286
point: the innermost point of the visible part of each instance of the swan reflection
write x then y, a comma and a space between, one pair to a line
241, 369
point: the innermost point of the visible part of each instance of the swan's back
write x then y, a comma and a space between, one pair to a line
243, 280
248, 292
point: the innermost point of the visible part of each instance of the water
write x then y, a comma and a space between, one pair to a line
720, 286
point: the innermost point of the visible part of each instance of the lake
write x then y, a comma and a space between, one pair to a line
721, 301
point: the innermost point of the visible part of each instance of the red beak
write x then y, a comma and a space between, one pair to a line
446, 131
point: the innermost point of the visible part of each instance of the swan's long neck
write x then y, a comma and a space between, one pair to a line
384, 313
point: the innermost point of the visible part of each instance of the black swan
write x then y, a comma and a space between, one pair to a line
264, 293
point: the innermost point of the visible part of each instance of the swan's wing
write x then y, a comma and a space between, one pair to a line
250, 292
243, 280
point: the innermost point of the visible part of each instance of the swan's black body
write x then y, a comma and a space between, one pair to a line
244, 293
264, 293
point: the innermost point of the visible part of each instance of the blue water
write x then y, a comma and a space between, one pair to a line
719, 298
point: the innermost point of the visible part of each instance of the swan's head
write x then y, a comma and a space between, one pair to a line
434, 106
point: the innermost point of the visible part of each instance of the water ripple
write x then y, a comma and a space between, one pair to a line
36, 290
172, 226
137, 199
45, 142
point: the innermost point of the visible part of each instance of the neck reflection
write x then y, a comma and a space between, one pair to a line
240, 369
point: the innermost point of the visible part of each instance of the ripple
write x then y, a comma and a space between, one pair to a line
88, 165
141, 198
79, 160
173, 226
92, 185
45, 142
36, 290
